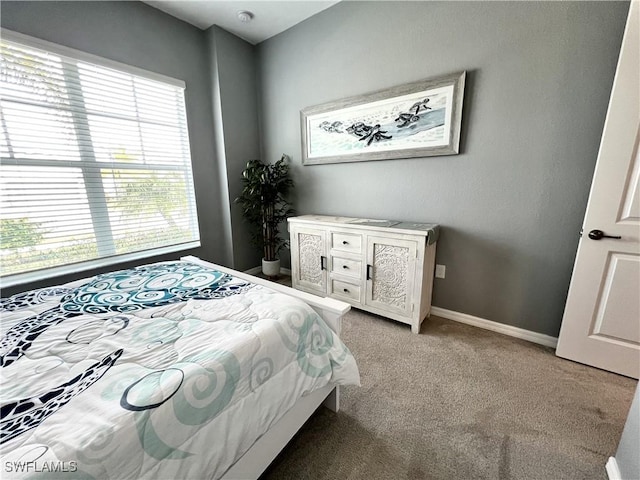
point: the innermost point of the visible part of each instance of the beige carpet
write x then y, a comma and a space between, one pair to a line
458, 402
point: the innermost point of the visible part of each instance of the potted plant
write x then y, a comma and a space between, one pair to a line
264, 206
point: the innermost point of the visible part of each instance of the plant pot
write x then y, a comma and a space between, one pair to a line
271, 268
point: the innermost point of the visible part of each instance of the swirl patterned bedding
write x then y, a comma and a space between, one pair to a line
169, 370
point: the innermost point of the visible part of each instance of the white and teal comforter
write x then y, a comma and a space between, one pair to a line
170, 370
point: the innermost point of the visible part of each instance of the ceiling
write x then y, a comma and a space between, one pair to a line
269, 17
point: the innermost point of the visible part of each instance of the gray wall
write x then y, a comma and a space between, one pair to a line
512, 203
628, 454
139, 35
235, 105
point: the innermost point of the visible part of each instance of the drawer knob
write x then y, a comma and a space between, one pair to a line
346, 290
344, 242
344, 266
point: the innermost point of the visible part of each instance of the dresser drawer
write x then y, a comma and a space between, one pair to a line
346, 242
346, 266
345, 290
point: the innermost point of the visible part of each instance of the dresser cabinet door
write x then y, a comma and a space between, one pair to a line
391, 265
309, 259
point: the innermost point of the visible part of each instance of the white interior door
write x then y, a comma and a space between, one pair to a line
601, 324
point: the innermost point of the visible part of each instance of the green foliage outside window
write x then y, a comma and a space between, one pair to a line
19, 233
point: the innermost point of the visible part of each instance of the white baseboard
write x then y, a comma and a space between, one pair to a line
516, 332
613, 472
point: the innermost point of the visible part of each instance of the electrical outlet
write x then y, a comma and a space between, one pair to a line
441, 270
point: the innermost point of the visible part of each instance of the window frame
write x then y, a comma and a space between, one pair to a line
106, 260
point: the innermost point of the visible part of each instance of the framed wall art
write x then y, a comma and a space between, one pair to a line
418, 119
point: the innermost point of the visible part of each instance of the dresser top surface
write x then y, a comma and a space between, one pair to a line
428, 229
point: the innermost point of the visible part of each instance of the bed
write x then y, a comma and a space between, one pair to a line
170, 370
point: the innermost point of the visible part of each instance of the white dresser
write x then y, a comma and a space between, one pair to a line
381, 266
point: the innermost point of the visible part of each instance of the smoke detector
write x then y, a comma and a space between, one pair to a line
245, 16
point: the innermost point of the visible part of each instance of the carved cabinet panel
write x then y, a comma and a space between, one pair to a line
391, 273
308, 247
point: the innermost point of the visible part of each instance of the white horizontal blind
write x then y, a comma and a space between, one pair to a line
95, 162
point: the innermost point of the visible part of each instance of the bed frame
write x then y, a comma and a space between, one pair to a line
255, 461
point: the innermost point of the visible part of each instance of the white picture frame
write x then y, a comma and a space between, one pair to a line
418, 119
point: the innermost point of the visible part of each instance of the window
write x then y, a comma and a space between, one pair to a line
95, 162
